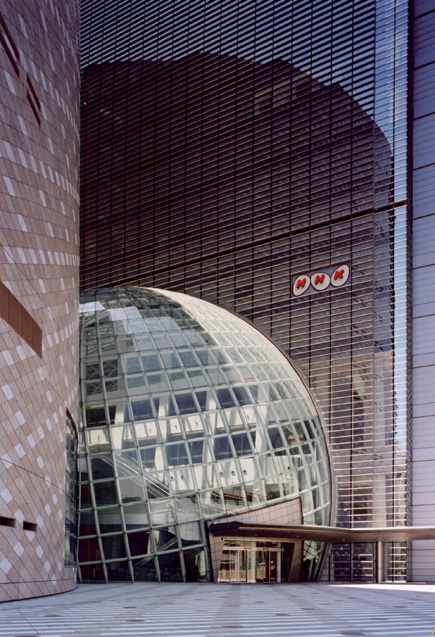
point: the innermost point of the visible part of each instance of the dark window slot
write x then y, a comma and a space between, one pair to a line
20, 320
7, 521
9, 54
33, 92
33, 107
30, 526
9, 46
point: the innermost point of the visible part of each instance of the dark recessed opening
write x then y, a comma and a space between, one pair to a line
30, 526
7, 521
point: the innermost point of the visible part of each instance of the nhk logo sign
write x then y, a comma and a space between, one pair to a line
333, 277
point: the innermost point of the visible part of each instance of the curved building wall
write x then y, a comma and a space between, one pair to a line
39, 144
189, 414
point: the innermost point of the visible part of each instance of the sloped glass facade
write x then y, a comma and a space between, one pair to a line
188, 414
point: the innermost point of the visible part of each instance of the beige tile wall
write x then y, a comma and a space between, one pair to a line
39, 143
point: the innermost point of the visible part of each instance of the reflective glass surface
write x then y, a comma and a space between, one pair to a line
229, 147
190, 415
70, 493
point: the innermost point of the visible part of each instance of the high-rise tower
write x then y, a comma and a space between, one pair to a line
257, 156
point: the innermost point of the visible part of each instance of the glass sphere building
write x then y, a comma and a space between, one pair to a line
189, 415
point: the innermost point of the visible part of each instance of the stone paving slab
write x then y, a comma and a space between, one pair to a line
207, 610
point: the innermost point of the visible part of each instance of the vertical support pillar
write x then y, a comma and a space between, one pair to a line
278, 566
251, 564
379, 562
216, 549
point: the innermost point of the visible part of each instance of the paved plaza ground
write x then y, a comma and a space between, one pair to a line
207, 610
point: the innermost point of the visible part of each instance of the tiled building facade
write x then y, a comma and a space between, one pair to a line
39, 261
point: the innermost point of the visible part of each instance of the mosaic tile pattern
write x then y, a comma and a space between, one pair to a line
39, 83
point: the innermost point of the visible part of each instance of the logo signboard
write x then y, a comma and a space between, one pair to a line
332, 277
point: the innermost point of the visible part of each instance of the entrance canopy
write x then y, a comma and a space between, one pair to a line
330, 534
237, 564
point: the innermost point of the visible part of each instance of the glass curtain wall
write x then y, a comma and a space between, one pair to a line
71, 476
188, 414
228, 148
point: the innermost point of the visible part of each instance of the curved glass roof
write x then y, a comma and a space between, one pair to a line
188, 414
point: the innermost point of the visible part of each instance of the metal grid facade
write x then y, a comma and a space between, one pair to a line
189, 414
227, 149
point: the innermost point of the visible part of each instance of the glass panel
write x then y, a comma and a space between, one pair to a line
138, 542
89, 550
118, 571
85, 496
135, 516
157, 484
233, 497
98, 440
170, 568
196, 451
95, 416
105, 493
186, 403
195, 562
131, 489
113, 546
222, 447
87, 523
92, 573
162, 512
176, 454
242, 444
255, 492
181, 480
145, 569
122, 437
127, 463
146, 432
141, 409
192, 455
101, 466
110, 520
206, 477
178, 380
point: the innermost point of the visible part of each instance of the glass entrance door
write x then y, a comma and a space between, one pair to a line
247, 562
230, 570
266, 566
